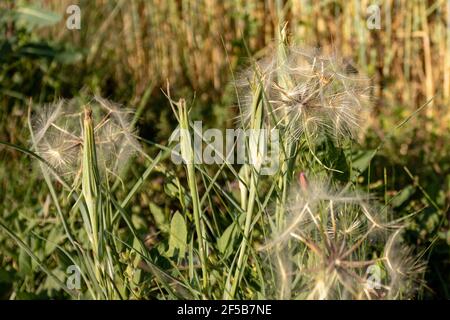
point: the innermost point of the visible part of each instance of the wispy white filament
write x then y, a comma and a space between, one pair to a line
58, 136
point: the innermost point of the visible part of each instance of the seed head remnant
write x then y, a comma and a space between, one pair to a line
58, 136
307, 93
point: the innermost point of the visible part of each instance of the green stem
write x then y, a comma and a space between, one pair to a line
242, 258
91, 192
256, 123
188, 154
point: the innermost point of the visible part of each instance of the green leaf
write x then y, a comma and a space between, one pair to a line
224, 242
53, 239
159, 217
37, 50
24, 262
171, 190
68, 56
360, 161
138, 222
336, 159
178, 236
23, 247
402, 196
31, 17
52, 284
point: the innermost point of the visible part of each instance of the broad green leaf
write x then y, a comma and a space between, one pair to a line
24, 262
53, 239
29, 252
224, 241
360, 161
138, 222
159, 217
402, 196
68, 56
37, 50
171, 190
336, 159
178, 236
31, 17
52, 284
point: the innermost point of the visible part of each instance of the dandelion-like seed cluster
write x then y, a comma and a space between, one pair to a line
58, 136
335, 245
307, 93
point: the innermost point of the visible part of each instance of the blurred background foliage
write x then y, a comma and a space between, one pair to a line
127, 50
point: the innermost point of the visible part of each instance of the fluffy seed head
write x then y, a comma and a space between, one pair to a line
339, 245
405, 269
308, 93
58, 135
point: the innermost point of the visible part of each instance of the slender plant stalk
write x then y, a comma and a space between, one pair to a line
90, 179
188, 154
242, 258
91, 191
256, 123
287, 156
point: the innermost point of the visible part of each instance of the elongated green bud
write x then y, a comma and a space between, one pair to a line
90, 176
